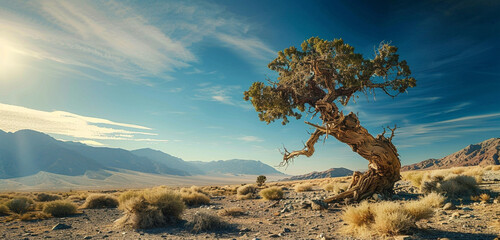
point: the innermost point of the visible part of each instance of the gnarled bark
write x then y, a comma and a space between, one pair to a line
384, 164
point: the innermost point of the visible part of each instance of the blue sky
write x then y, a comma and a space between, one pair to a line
170, 75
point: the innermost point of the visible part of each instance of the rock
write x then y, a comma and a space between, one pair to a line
377, 197
403, 237
455, 215
255, 238
318, 205
285, 209
286, 230
87, 237
305, 204
496, 201
449, 206
274, 235
467, 216
245, 230
60, 226
467, 209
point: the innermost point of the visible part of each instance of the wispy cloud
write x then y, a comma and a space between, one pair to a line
427, 133
92, 143
120, 39
250, 139
451, 109
221, 94
16, 118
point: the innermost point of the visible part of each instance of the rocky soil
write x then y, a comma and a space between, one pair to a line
290, 218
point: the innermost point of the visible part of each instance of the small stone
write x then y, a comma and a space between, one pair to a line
467, 209
455, 215
286, 230
60, 226
318, 205
402, 237
255, 238
87, 237
449, 206
274, 235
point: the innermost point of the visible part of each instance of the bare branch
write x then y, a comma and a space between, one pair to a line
308, 149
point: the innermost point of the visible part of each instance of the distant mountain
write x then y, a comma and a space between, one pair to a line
236, 166
482, 154
169, 160
27, 152
332, 172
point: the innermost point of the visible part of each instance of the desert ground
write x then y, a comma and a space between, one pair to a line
295, 216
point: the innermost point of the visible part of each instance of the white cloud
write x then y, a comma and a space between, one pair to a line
222, 94
16, 118
91, 143
121, 39
250, 139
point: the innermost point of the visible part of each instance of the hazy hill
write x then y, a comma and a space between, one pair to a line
483, 153
27, 152
332, 172
169, 160
237, 166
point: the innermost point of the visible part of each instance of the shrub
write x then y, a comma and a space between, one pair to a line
4, 210
272, 193
100, 201
234, 211
30, 216
125, 196
152, 208
261, 180
303, 187
20, 204
44, 197
59, 208
204, 222
386, 218
433, 199
452, 185
246, 192
195, 198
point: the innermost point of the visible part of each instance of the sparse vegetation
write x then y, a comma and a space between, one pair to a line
272, 193
246, 192
484, 197
234, 211
59, 208
452, 185
4, 210
261, 180
20, 205
205, 222
302, 187
152, 208
195, 198
45, 197
100, 201
30, 216
387, 218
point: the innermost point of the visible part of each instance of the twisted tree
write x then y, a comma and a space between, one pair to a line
316, 79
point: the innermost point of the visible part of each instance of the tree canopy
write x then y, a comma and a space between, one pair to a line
326, 72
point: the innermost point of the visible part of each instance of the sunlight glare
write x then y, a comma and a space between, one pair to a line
10, 60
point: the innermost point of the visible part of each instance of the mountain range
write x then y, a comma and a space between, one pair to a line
27, 152
483, 154
332, 172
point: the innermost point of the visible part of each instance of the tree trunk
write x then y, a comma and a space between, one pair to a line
384, 165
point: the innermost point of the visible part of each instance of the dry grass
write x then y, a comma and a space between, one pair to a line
335, 187
45, 197
234, 211
195, 198
151, 208
4, 210
30, 216
125, 196
20, 205
388, 218
484, 197
452, 185
272, 193
206, 222
433, 199
248, 191
422, 178
59, 208
100, 201
303, 187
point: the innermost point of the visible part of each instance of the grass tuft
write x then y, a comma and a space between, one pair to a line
100, 201
20, 205
303, 187
234, 211
59, 208
206, 222
45, 197
272, 193
4, 210
248, 191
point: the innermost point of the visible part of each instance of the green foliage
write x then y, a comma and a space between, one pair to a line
261, 180
327, 71
20, 204
59, 208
